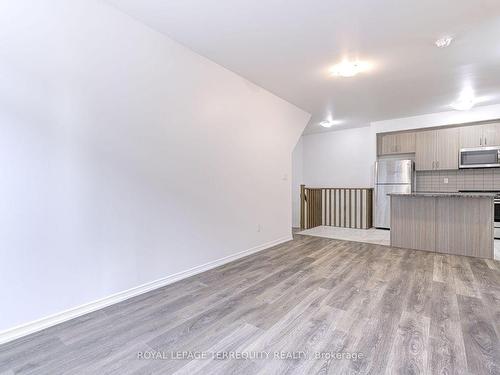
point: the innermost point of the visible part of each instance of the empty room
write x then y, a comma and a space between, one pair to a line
249, 187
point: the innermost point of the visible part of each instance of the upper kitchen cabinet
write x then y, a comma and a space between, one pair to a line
405, 143
425, 150
399, 143
437, 149
471, 136
447, 148
491, 134
480, 135
387, 144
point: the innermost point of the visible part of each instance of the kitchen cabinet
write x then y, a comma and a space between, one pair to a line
480, 135
425, 150
471, 136
388, 143
454, 223
447, 148
405, 142
491, 134
437, 149
398, 143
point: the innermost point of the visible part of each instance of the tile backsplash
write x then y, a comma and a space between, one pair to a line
462, 179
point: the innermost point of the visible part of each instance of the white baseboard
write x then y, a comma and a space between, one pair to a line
52, 320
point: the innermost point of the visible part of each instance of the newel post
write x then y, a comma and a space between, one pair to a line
302, 206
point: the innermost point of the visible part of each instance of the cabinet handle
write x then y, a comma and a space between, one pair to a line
433, 165
485, 143
481, 141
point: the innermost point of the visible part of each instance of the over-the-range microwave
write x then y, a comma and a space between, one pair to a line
480, 157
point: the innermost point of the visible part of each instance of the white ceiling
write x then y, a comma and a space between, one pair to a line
287, 46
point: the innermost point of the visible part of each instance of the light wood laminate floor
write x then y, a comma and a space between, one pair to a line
403, 311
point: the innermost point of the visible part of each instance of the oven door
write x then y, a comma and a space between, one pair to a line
497, 218
480, 157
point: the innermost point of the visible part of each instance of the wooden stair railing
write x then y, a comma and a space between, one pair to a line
338, 207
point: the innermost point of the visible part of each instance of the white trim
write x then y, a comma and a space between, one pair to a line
49, 321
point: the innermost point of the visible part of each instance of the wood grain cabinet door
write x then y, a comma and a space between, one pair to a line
405, 143
491, 134
471, 136
425, 150
400, 143
413, 222
389, 144
447, 148
456, 218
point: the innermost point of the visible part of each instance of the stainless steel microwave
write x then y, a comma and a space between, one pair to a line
480, 157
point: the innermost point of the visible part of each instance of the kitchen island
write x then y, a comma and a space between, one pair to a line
451, 223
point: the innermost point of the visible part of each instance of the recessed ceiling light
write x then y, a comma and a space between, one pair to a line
329, 123
349, 69
444, 42
465, 101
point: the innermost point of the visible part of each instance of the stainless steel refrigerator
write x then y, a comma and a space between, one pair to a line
391, 176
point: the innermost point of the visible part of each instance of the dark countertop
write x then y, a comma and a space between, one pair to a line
458, 195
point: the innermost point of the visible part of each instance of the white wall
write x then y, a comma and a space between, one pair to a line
125, 157
297, 180
338, 159
345, 158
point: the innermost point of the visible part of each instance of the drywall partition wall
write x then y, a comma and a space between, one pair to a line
126, 158
297, 180
338, 158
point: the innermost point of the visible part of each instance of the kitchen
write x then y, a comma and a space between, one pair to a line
453, 170
444, 194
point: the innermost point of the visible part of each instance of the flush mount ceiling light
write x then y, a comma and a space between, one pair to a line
443, 42
465, 101
329, 123
348, 68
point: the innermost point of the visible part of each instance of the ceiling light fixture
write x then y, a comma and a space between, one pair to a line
443, 42
465, 101
329, 123
349, 69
